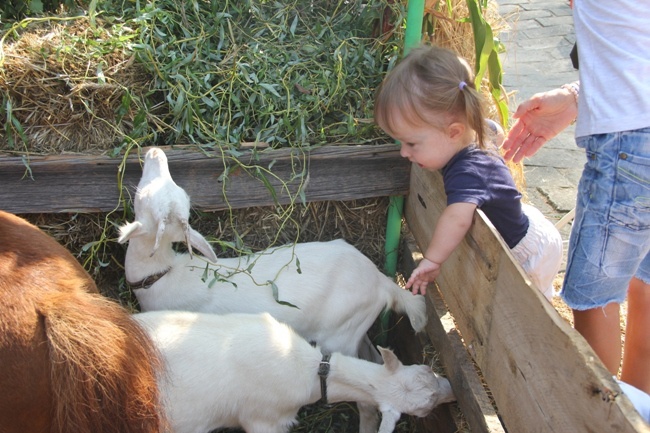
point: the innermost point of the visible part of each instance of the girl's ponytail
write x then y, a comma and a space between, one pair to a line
474, 111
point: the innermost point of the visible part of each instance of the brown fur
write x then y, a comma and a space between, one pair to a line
72, 360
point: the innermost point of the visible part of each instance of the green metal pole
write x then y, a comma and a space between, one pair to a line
412, 38
414, 17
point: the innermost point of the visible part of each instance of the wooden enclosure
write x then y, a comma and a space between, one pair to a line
514, 363
541, 374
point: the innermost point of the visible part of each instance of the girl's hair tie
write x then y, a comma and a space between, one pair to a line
462, 85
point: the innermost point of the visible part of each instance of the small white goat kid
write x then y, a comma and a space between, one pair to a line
250, 371
334, 290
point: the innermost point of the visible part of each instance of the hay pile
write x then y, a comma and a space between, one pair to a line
170, 72
66, 86
284, 74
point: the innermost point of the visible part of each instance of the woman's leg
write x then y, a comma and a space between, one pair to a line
636, 355
602, 329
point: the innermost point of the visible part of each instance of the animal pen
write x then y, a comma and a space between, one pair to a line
515, 365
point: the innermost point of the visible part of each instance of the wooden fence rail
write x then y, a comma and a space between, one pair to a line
85, 183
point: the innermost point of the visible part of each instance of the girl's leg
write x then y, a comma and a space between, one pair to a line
636, 358
602, 330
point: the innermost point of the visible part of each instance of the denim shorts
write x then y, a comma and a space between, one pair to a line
610, 238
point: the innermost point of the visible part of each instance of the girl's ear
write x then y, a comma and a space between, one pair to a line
456, 130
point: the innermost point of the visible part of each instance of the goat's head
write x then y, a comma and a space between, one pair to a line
414, 389
162, 209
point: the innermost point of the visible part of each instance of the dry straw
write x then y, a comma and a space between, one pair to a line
68, 88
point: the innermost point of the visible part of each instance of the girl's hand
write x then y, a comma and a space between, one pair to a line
425, 273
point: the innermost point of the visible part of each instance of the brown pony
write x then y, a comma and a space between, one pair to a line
70, 360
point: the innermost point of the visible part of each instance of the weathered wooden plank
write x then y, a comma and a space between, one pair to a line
441, 331
542, 374
84, 183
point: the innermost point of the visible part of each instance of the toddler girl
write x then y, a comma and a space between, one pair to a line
430, 105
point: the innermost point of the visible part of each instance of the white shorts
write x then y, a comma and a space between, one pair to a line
540, 251
640, 400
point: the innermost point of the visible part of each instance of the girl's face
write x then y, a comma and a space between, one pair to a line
429, 146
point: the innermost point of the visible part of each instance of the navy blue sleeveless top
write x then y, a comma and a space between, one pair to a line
482, 178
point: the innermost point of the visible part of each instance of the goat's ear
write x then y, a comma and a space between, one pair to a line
198, 242
130, 230
391, 362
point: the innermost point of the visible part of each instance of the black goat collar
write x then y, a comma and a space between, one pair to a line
147, 282
323, 372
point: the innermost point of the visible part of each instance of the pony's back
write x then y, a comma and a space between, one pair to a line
72, 361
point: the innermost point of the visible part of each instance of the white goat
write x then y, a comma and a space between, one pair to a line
337, 290
250, 371
334, 290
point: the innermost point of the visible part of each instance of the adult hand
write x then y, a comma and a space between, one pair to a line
539, 119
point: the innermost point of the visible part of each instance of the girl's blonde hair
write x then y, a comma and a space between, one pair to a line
431, 81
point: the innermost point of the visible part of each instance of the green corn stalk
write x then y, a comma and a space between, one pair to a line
487, 57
